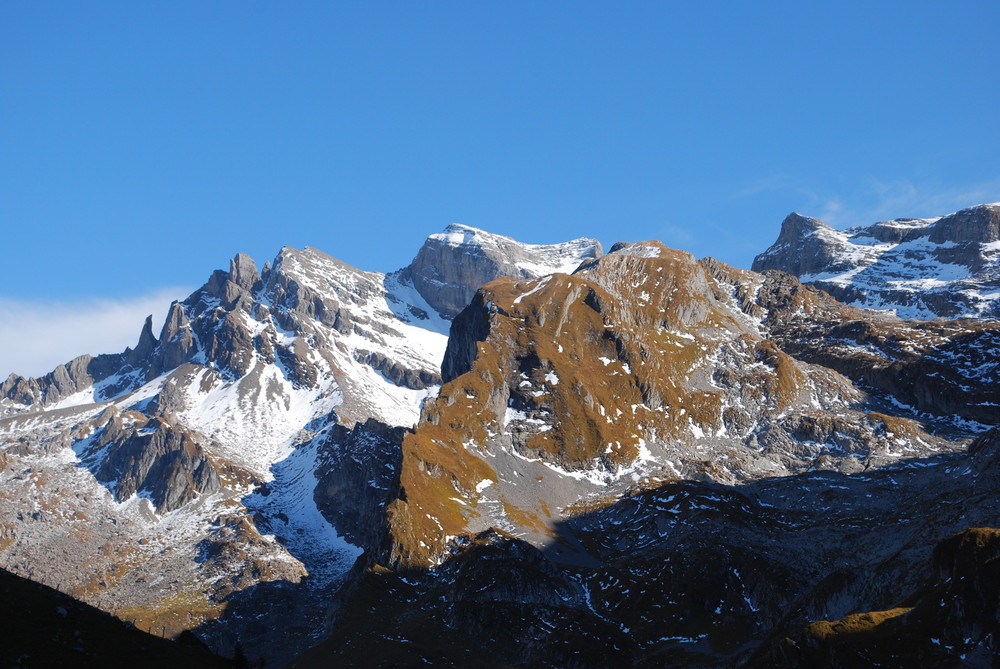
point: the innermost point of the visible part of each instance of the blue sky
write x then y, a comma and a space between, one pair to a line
143, 144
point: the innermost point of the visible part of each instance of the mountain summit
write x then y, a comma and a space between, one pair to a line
195, 454
452, 264
921, 268
541, 455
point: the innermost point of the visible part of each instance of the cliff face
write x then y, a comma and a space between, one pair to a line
805, 246
647, 366
451, 265
148, 456
649, 460
252, 442
919, 268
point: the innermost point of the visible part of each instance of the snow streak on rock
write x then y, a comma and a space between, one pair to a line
919, 268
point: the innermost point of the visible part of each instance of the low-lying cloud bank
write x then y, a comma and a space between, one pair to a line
35, 337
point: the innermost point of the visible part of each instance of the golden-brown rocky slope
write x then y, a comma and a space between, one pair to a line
646, 366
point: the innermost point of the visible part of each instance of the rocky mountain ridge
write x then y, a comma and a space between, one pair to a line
312, 450
947, 266
643, 367
174, 478
451, 265
683, 574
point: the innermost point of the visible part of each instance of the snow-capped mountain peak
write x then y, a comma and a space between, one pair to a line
209, 438
451, 265
920, 268
309, 418
533, 259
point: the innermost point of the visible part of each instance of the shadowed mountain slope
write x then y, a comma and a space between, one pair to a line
44, 628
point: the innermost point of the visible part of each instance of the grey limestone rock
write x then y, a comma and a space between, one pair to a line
147, 342
450, 266
413, 379
357, 476
153, 458
470, 327
243, 271
20, 390
921, 268
804, 246
976, 224
177, 341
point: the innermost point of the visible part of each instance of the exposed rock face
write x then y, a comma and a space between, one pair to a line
925, 365
357, 476
268, 406
450, 266
920, 268
63, 381
978, 225
398, 374
646, 366
650, 461
134, 454
805, 246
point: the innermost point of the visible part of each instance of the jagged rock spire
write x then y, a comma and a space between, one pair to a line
147, 342
243, 271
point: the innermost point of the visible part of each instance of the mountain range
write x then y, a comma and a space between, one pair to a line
508, 454
917, 267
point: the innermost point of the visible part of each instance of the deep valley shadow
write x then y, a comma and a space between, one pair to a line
684, 574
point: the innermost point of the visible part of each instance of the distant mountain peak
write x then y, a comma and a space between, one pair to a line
452, 264
797, 224
459, 233
918, 267
804, 245
582, 415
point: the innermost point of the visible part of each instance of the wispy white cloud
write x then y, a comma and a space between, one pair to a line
766, 184
875, 199
901, 198
37, 336
675, 235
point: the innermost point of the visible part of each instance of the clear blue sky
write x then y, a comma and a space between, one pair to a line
143, 144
